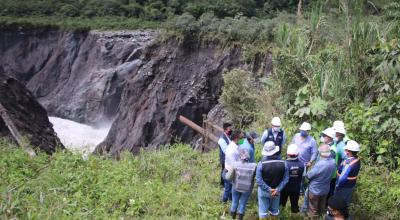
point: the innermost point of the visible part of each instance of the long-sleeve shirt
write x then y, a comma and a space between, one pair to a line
275, 133
348, 172
307, 148
222, 143
231, 155
264, 185
247, 146
320, 176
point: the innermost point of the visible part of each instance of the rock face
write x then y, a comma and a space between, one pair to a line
74, 75
125, 77
174, 79
22, 118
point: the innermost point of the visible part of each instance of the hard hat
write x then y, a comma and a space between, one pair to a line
337, 124
292, 150
352, 146
329, 132
305, 126
276, 121
340, 130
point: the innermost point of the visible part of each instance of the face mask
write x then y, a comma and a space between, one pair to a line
322, 140
303, 133
276, 129
335, 139
229, 133
241, 141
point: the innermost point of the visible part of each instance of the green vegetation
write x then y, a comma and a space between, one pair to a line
172, 183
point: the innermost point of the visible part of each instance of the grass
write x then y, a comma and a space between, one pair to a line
77, 23
172, 183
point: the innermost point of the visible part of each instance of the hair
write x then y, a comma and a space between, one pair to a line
226, 125
236, 134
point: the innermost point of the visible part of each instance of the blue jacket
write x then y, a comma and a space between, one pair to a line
348, 172
247, 146
296, 169
320, 176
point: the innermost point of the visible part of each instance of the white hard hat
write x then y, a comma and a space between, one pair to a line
338, 124
340, 130
276, 121
352, 146
329, 132
305, 126
292, 150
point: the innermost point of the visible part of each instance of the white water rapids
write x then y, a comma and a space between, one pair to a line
78, 137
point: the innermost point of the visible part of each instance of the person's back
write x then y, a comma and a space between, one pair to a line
320, 176
271, 175
296, 169
273, 170
244, 176
247, 146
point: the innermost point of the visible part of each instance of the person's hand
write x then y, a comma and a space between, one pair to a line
274, 193
309, 164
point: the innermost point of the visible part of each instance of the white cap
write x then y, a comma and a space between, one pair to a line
269, 148
305, 126
340, 130
329, 132
352, 146
276, 121
292, 150
338, 124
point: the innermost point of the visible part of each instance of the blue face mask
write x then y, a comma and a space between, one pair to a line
303, 133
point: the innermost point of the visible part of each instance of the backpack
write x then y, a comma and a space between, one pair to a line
244, 176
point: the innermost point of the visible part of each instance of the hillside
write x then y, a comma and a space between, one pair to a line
174, 182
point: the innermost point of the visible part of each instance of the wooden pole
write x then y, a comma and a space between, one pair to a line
197, 128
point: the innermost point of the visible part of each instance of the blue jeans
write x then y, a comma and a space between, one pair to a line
304, 207
239, 199
267, 205
227, 189
345, 193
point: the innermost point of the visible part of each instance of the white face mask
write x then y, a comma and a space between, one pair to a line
322, 140
276, 129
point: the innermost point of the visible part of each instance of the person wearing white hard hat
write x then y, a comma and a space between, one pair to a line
271, 176
348, 171
307, 146
327, 137
292, 188
275, 134
340, 143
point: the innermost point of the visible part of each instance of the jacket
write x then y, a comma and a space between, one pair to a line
320, 176
272, 173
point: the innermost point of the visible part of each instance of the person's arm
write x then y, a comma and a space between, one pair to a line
223, 145
285, 179
260, 180
314, 150
343, 176
313, 172
264, 137
283, 138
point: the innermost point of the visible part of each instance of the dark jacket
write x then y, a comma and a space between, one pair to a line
296, 169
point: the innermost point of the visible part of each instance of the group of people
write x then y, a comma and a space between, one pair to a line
326, 174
